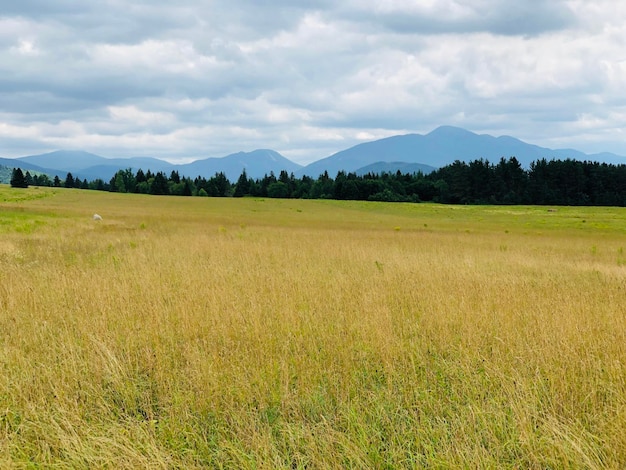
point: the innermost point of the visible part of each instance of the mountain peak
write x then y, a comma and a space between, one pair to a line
440, 147
76, 153
69, 160
450, 132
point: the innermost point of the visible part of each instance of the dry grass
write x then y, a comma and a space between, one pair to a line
289, 334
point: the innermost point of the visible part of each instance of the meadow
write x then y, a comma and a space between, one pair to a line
250, 333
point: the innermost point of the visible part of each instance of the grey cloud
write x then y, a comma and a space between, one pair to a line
44, 105
44, 8
302, 77
529, 18
498, 17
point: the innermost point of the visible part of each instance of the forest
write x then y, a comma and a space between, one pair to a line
545, 182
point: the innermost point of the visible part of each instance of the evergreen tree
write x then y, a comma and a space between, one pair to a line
159, 185
481, 179
510, 181
201, 183
44, 180
278, 190
141, 176
265, 182
187, 190
242, 187
97, 184
303, 187
175, 177
18, 180
69, 181
117, 182
29, 178
323, 187
218, 185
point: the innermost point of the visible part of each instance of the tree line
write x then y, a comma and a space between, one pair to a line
553, 182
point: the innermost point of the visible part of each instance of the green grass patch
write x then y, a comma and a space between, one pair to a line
248, 333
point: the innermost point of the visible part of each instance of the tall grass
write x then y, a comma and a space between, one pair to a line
196, 332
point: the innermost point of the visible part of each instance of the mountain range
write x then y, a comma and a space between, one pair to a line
408, 153
85, 165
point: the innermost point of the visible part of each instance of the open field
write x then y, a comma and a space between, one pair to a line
243, 333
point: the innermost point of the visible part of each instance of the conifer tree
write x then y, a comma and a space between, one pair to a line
69, 181
18, 180
242, 187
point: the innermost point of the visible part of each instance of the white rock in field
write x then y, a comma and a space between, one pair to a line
97, 217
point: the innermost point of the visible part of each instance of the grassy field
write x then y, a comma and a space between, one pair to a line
249, 333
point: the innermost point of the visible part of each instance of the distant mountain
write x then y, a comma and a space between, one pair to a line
441, 147
68, 160
257, 164
25, 166
394, 167
85, 165
407, 153
107, 169
5, 174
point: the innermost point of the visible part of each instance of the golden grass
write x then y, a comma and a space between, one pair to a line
242, 333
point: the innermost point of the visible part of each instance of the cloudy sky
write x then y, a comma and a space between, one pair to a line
189, 79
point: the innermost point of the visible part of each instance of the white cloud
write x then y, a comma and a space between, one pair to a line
175, 57
26, 48
193, 78
8, 130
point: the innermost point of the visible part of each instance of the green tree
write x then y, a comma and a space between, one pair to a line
40, 180
159, 185
141, 176
97, 184
278, 190
144, 186
175, 177
187, 187
242, 187
346, 186
323, 187
289, 180
480, 173
510, 181
69, 181
18, 180
218, 185
117, 184
303, 187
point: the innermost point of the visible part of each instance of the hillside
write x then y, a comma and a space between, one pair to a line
394, 167
85, 165
441, 147
5, 174
256, 163
406, 153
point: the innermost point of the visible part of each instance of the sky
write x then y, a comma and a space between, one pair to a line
182, 80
